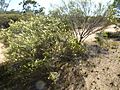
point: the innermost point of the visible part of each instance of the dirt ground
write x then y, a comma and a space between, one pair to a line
2, 57
110, 28
105, 75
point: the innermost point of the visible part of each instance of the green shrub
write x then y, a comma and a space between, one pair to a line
101, 39
38, 37
36, 44
6, 18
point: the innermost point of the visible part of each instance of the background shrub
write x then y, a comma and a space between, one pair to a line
6, 18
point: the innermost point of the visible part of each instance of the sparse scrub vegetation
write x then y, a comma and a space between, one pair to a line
102, 39
84, 20
50, 48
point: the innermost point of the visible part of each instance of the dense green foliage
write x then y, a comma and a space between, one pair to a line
38, 43
6, 18
37, 37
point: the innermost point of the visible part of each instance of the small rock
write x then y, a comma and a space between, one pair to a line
40, 85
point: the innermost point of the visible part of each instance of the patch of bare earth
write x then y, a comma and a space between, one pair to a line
110, 28
105, 75
2, 57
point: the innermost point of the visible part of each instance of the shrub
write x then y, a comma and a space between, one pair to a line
36, 44
6, 18
101, 39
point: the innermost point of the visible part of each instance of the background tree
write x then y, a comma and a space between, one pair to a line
31, 6
116, 2
116, 5
85, 17
4, 5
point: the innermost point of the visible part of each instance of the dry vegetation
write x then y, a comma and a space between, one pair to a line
71, 48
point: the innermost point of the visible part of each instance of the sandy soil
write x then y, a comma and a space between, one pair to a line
105, 75
110, 28
2, 57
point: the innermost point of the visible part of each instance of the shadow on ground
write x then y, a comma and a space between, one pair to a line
115, 36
